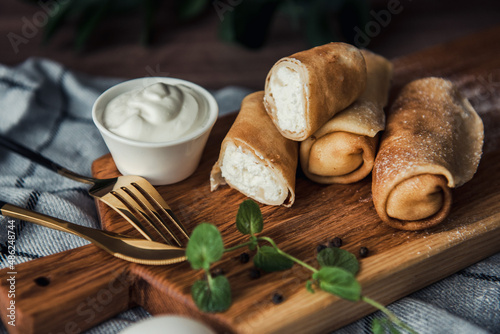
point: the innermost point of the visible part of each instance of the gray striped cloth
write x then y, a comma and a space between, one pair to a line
48, 108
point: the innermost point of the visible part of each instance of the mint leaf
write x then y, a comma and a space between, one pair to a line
337, 257
204, 247
377, 327
309, 286
249, 218
339, 282
268, 259
214, 296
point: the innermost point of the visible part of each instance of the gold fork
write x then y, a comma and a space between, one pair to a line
119, 245
133, 197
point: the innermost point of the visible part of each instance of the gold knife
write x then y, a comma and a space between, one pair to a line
124, 247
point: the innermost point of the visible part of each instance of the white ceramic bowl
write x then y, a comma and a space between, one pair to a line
164, 162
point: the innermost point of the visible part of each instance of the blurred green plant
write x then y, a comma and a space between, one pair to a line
244, 22
321, 21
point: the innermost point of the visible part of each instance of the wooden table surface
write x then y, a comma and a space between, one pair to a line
193, 52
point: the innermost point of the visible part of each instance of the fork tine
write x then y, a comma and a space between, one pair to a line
152, 195
123, 207
147, 210
141, 212
153, 217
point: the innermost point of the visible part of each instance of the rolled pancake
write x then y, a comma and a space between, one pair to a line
303, 91
343, 150
255, 158
433, 142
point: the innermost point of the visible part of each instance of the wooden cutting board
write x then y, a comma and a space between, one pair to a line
77, 289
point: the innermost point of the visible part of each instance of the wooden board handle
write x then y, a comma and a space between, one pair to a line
66, 292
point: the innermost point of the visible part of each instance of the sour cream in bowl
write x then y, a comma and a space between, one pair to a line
157, 113
156, 127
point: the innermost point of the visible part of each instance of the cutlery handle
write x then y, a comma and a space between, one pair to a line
13, 211
88, 233
29, 154
41, 160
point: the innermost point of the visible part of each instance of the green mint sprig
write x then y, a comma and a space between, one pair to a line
336, 274
204, 248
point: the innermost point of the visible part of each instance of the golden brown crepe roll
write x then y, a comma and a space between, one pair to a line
343, 150
433, 142
303, 91
255, 158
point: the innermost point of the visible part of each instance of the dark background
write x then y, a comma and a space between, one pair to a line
194, 52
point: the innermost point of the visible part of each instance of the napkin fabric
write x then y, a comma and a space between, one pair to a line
48, 108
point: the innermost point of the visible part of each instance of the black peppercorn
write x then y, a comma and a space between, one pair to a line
363, 252
335, 242
319, 248
244, 257
254, 273
277, 298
